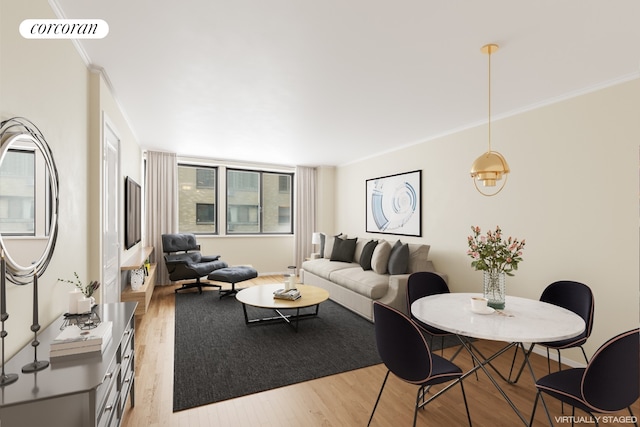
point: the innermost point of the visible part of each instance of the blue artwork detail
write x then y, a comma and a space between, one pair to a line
392, 207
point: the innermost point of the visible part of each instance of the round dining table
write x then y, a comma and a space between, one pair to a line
522, 321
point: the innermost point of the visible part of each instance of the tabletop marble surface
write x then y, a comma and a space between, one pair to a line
522, 320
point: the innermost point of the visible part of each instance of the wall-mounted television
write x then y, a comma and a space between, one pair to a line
132, 213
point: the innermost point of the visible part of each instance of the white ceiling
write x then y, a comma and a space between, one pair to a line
329, 82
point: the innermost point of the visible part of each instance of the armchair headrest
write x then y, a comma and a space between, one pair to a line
179, 242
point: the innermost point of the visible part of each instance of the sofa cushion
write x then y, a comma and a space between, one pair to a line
399, 258
380, 258
367, 254
343, 249
367, 283
323, 267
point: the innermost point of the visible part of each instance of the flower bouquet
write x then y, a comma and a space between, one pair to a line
497, 257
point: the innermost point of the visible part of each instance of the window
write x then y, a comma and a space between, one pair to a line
197, 199
259, 202
205, 178
205, 213
284, 181
18, 193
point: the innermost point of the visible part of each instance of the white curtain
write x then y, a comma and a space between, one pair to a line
305, 214
161, 205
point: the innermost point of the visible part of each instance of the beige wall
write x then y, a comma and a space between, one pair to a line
47, 82
267, 254
573, 194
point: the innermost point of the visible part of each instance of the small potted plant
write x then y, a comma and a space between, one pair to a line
82, 295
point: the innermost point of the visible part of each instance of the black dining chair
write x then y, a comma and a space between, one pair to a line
577, 297
405, 352
608, 384
573, 296
423, 284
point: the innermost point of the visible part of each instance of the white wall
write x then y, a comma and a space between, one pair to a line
572, 193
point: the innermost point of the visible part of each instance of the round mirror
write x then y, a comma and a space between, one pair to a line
28, 200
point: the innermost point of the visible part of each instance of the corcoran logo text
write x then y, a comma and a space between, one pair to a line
64, 29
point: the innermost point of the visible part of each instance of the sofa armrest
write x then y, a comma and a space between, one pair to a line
396, 296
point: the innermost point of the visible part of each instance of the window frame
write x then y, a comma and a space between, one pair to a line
261, 223
214, 202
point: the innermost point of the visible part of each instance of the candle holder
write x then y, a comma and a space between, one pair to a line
5, 379
36, 365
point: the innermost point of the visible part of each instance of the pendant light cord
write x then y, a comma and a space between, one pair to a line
489, 107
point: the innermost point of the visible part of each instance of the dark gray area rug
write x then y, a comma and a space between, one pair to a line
219, 357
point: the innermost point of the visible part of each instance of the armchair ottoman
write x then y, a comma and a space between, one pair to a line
232, 275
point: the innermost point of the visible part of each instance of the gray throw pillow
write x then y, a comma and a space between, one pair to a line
399, 258
367, 253
343, 250
323, 238
328, 246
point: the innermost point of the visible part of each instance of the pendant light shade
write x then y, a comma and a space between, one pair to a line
491, 166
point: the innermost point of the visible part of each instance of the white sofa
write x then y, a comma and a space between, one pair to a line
355, 287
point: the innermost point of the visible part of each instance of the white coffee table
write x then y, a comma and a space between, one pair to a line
262, 296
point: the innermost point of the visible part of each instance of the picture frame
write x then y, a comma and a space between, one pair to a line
394, 204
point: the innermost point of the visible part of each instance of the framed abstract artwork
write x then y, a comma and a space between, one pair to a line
394, 205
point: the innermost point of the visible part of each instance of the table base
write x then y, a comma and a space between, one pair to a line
291, 319
481, 364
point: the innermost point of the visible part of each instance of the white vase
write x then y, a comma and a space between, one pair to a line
74, 296
137, 279
84, 305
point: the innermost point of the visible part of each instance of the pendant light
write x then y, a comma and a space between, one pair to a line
491, 166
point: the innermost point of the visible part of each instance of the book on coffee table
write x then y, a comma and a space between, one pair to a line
291, 294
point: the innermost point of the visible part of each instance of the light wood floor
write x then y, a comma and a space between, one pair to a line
340, 400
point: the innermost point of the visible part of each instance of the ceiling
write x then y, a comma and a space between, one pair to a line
302, 82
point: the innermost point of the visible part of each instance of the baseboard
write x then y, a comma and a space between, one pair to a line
553, 355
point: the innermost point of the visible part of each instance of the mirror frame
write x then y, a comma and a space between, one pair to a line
19, 128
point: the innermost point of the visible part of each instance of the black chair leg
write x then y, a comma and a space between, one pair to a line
421, 393
466, 406
584, 354
633, 417
197, 284
378, 399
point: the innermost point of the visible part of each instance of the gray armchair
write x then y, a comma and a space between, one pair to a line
185, 262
